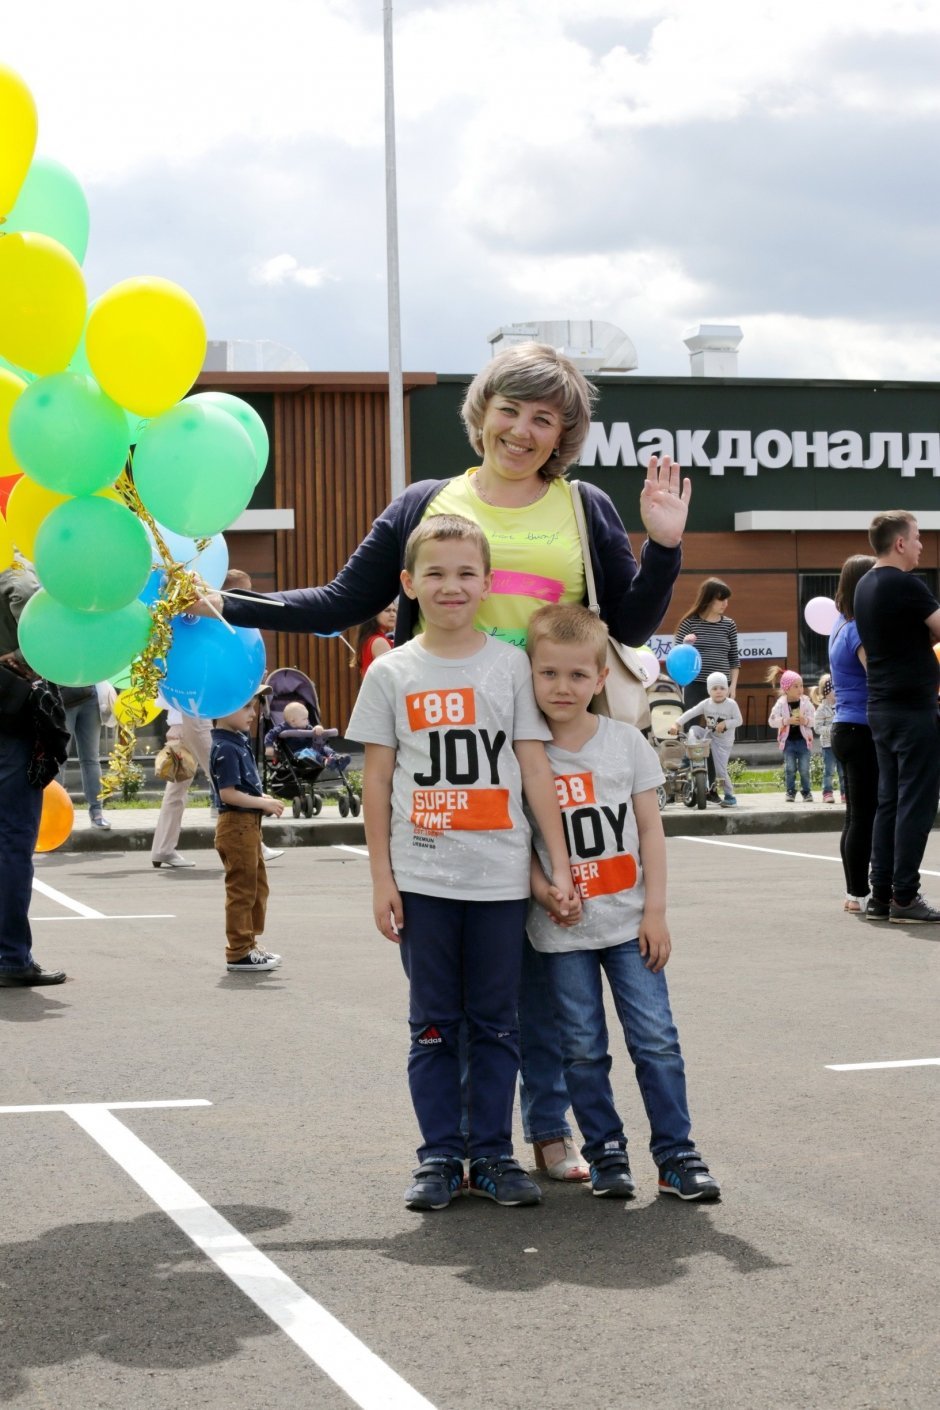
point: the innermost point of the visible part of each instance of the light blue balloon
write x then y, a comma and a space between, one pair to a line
52, 202
212, 670
211, 564
683, 663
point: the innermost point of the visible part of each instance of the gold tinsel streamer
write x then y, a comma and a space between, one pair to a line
179, 592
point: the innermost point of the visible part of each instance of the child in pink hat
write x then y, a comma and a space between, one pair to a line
792, 717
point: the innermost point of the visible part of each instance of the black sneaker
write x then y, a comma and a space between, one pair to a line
877, 910
917, 913
434, 1183
610, 1176
688, 1177
500, 1178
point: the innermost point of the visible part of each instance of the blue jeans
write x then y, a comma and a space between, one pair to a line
543, 1092
463, 961
831, 767
796, 756
907, 742
84, 723
641, 999
20, 811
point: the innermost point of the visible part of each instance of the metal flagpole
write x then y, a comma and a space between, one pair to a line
396, 404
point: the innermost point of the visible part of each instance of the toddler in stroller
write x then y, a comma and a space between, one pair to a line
298, 762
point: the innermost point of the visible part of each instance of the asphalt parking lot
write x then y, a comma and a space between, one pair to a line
255, 1251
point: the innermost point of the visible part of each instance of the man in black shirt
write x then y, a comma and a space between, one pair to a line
898, 620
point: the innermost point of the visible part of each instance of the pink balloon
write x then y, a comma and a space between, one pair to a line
821, 615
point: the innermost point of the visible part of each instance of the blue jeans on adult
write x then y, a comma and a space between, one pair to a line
796, 756
463, 960
543, 1092
641, 999
907, 742
20, 811
84, 725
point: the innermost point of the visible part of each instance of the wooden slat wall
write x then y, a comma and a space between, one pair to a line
331, 466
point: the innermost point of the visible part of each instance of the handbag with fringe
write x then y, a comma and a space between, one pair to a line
174, 764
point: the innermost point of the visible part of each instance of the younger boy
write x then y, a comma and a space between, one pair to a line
317, 751
606, 776
242, 804
452, 737
720, 718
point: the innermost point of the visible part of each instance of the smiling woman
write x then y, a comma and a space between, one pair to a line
527, 414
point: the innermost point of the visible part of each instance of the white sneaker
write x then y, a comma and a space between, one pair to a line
254, 962
270, 854
173, 861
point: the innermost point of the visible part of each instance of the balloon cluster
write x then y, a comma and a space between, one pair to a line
113, 486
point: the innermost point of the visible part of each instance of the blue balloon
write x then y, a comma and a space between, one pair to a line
212, 670
683, 663
211, 564
153, 587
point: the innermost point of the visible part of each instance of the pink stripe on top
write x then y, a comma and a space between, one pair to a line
508, 584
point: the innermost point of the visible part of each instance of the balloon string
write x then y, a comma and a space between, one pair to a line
148, 670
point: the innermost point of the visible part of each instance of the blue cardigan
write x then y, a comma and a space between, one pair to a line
633, 600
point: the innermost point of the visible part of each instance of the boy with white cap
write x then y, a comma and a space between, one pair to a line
720, 718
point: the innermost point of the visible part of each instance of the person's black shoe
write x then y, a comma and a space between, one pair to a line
610, 1176
32, 975
688, 1177
918, 912
434, 1183
500, 1178
878, 910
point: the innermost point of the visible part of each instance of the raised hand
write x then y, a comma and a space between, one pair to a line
664, 501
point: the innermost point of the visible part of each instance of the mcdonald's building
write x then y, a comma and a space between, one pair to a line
786, 474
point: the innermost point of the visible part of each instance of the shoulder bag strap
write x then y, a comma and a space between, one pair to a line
578, 507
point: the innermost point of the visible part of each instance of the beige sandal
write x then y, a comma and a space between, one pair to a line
560, 1160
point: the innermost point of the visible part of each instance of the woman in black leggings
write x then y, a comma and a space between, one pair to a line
851, 737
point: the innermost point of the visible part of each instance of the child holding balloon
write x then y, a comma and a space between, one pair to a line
792, 717
823, 697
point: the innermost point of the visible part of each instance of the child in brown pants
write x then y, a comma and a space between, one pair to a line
242, 804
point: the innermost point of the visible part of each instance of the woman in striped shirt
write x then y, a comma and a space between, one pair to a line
714, 635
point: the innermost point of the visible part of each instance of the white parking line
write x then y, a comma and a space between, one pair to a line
364, 1377
157, 915
872, 1066
747, 847
66, 901
774, 851
356, 851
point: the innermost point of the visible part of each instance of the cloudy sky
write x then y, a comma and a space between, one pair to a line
651, 163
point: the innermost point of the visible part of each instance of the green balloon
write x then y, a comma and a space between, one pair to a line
92, 554
80, 648
246, 416
53, 203
68, 435
194, 469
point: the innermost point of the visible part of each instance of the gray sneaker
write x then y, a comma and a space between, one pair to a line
917, 913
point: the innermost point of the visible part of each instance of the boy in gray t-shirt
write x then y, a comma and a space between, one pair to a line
452, 737
606, 777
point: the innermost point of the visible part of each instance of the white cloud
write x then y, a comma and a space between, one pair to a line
283, 269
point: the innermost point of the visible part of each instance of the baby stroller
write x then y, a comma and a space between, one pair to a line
305, 782
684, 761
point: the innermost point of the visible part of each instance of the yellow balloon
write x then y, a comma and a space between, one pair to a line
10, 388
146, 343
18, 125
133, 707
28, 506
42, 302
6, 546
